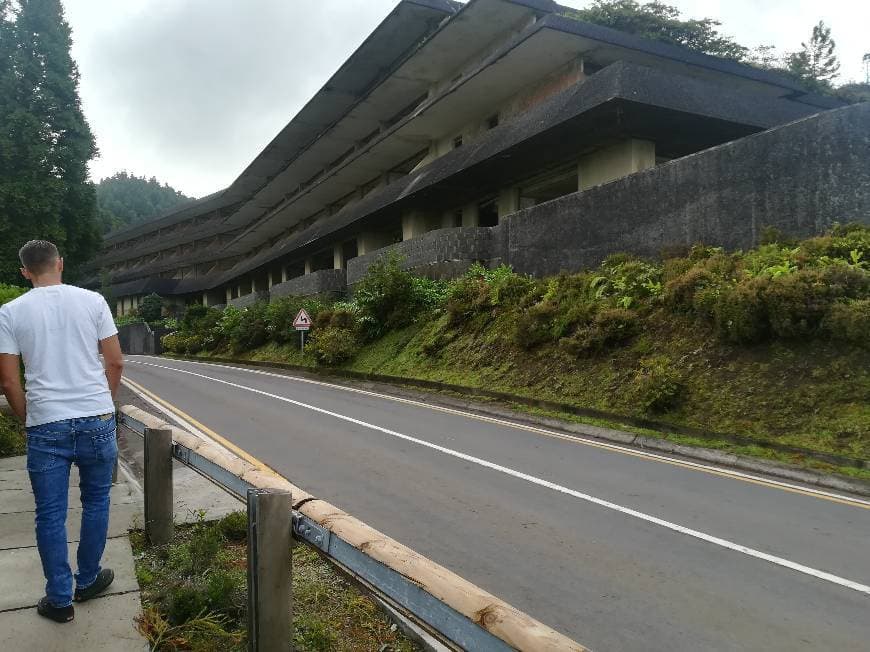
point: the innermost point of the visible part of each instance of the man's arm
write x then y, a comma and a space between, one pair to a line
114, 359
10, 382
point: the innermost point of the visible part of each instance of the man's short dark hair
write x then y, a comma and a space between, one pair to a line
38, 256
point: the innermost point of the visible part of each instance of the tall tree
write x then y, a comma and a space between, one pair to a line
662, 22
125, 199
817, 63
46, 141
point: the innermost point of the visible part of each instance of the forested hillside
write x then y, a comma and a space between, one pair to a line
125, 199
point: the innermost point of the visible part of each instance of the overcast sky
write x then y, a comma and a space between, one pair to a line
190, 91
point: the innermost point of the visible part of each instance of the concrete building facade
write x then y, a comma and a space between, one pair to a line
499, 131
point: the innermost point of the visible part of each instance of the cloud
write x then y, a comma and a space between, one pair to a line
192, 91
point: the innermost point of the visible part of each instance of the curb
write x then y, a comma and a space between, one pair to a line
780, 470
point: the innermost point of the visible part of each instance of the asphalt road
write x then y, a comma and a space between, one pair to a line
619, 550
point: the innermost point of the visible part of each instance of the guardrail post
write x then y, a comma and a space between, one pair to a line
159, 524
270, 608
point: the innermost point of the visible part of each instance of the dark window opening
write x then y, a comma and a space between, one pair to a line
487, 213
543, 189
349, 250
322, 260
457, 142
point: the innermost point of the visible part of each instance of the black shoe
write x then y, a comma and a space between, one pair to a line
106, 576
57, 614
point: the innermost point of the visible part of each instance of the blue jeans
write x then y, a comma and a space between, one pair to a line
51, 448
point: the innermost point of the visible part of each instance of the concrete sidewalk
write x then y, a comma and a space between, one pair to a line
106, 623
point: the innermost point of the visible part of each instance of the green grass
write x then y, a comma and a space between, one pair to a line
811, 395
12, 440
194, 596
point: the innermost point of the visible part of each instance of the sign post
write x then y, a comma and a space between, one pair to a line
302, 323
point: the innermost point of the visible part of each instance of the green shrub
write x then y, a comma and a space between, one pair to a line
281, 312
204, 545
185, 603
343, 318
389, 298
193, 344
234, 526
151, 308
850, 322
12, 440
610, 327
657, 386
627, 281
680, 291
222, 592
10, 292
739, 313
534, 326
333, 346
171, 343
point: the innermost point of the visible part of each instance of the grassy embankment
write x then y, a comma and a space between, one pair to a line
194, 596
773, 343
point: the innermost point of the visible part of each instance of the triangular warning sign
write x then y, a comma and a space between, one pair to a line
302, 321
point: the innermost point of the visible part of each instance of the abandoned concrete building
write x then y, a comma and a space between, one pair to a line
504, 131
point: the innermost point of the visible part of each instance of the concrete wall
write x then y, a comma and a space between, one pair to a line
444, 253
799, 178
249, 299
137, 339
325, 281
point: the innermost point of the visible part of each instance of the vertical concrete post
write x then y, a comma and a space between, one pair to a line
253, 285
229, 295
270, 608
159, 525
284, 273
471, 215
309, 265
338, 256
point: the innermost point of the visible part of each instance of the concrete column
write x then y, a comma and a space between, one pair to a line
269, 279
284, 273
470, 215
229, 295
508, 201
615, 162
309, 265
413, 224
205, 299
253, 285
338, 256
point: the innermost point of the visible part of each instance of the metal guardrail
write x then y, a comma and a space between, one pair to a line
439, 618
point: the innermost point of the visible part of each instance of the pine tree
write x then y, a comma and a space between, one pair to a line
817, 63
45, 140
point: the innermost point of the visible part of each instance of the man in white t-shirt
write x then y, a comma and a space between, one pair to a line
58, 331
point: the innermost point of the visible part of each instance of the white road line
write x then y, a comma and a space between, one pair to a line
724, 543
724, 471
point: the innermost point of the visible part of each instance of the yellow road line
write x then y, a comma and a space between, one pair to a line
576, 440
204, 428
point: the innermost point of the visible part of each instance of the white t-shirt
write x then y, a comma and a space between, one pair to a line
56, 331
